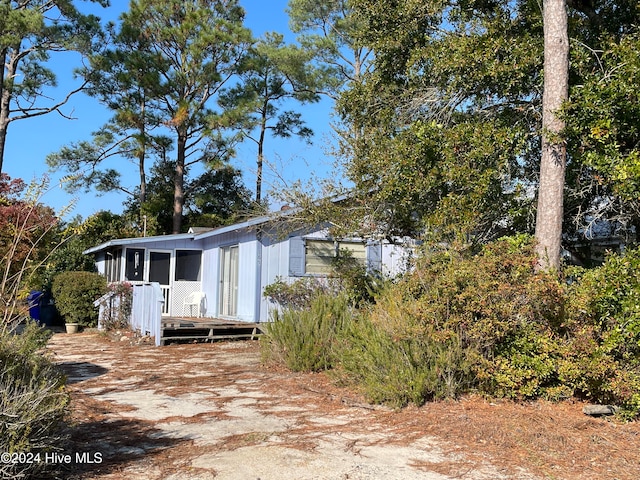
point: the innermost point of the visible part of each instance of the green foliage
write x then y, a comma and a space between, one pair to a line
325, 28
125, 79
393, 358
272, 73
301, 293
445, 128
117, 313
199, 46
29, 31
77, 236
463, 321
497, 302
354, 279
215, 198
484, 321
603, 135
603, 118
74, 294
33, 402
604, 313
305, 340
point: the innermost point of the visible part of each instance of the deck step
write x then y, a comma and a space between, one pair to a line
186, 329
252, 336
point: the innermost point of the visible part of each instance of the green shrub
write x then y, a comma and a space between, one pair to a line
74, 294
348, 277
305, 340
489, 314
354, 279
484, 321
604, 316
33, 402
395, 359
300, 294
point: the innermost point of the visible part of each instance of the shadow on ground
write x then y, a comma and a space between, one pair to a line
80, 371
104, 446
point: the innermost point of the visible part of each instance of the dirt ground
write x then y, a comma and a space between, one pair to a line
205, 411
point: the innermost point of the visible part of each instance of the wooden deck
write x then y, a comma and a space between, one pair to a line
206, 329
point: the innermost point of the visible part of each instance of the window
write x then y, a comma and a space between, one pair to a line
188, 265
319, 254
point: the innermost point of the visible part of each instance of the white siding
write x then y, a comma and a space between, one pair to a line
101, 263
275, 263
396, 259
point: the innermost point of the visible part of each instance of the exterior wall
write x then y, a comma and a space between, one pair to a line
393, 259
248, 288
275, 263
101, 263
396, 259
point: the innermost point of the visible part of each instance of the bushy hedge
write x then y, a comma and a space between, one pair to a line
464, 321
392, 358
300, 294
305, 340
603, 363
483, 321
33, 402
74, 294
117, 312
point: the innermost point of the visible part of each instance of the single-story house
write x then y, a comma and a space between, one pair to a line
226, 269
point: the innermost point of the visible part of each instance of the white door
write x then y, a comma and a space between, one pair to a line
229, 282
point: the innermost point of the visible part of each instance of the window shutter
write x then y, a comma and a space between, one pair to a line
296, 256
374, 257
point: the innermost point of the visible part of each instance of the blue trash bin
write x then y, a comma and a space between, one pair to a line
33, 299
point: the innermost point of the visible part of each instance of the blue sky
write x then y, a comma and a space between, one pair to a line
30, 141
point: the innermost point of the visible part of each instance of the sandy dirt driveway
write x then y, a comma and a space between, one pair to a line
204, 411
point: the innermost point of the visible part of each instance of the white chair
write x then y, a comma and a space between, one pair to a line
194, 299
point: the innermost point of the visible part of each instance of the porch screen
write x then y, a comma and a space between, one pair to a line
135, 264
159, 264
188, 265
113, 264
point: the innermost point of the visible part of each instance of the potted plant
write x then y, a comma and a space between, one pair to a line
72, 327
74, 294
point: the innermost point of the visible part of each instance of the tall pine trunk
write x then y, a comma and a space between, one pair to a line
263, 131
554, 154
178, 183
